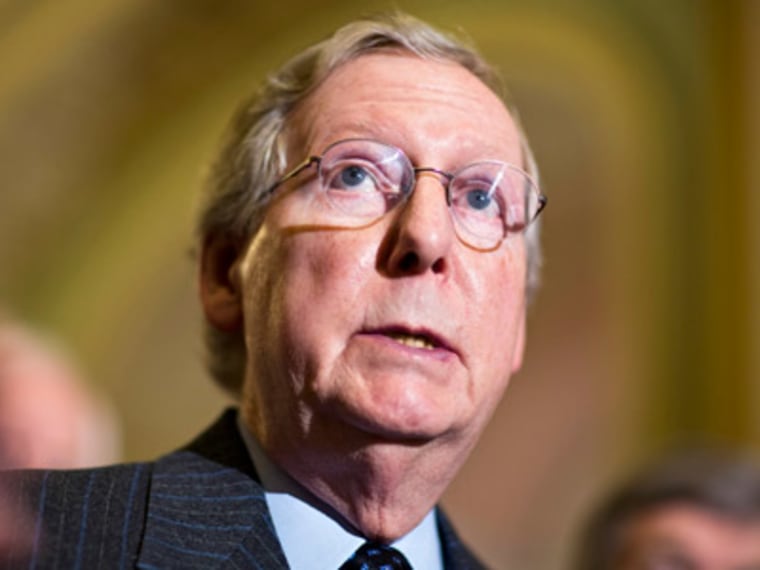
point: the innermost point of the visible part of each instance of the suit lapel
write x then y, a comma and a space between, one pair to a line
456, 556
207, 509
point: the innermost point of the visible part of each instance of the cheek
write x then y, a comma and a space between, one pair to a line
497, 312
323, 276
498, 297
261, 288
325, 285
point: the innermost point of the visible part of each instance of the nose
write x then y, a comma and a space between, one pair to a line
422, 233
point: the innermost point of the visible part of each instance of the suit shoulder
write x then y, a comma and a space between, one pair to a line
62, 511
62, 486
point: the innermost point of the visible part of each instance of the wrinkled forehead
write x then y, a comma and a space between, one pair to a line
402, 99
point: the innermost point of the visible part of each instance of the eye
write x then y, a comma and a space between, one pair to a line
353, 176
358, 185
478, 199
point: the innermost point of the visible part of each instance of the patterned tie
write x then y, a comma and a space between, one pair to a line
375, 556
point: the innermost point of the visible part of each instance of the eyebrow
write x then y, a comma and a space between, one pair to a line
367, 128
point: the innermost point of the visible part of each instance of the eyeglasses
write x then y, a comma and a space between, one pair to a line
360, 180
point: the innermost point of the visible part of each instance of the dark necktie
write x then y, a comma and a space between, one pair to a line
375, 556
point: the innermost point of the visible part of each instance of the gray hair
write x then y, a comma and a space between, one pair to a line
253, 155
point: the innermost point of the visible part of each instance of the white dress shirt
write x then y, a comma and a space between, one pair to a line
311, 538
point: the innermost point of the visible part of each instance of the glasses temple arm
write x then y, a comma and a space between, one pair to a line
293, 173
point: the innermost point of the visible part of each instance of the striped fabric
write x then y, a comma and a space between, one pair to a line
81, 519
200, 507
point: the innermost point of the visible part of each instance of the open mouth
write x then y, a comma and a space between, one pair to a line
422, 339
413, 340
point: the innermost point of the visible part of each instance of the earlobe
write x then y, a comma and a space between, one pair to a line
219, 282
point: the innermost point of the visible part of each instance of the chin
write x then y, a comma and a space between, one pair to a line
402, 423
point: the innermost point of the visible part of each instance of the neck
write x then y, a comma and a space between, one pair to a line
382, 489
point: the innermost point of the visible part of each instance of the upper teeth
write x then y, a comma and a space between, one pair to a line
412, 340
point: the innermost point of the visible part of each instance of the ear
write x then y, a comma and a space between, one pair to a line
220, 283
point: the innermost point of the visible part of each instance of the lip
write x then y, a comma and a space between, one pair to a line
439, 342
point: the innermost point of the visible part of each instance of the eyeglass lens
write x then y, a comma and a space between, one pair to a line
361, 180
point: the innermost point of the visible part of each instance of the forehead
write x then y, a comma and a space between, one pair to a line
426, 107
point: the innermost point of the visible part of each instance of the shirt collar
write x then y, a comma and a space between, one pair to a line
311, 537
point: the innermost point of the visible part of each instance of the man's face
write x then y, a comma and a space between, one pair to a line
397, 331
690, 538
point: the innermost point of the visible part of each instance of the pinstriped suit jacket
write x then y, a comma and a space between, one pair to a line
199, 507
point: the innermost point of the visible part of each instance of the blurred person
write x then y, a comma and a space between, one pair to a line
366, 251
689, 511
48, 415
48, 418
16, 529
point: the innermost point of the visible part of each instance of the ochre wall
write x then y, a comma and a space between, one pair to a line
645, 120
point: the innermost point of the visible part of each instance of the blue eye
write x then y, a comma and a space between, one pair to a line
479, 199
353, 176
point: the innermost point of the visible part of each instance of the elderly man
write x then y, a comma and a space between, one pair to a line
365, 252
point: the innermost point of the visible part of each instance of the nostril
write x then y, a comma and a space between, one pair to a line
408, 261
438, 265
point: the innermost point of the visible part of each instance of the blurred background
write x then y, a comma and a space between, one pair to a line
645, 118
